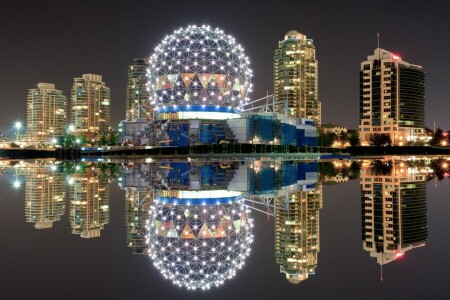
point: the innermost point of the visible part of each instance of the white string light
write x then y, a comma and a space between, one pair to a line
202, 248
193, 65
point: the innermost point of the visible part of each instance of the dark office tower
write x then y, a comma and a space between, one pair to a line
394, 210
392, 99
296, 78
137, 93
89, 203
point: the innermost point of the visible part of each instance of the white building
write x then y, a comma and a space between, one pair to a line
46, 113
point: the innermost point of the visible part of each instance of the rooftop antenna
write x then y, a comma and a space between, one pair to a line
378, 45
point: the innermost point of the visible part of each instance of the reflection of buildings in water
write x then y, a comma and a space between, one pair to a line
186, 216
138, 201
89, 203
44, 195
198, 231
394, 209
297, 230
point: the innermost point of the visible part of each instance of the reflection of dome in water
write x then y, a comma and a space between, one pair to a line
199, 66
199, 246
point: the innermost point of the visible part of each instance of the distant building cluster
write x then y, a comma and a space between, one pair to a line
45, 198
47, 111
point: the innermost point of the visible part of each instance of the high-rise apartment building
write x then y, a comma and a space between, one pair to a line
296, 78
90, 107
297, 234
46, 113
137, 93
394, 210
44, 195
89, 203
392, 98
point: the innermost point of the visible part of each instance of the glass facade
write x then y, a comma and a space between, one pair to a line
392, 98
412, 97
393, 210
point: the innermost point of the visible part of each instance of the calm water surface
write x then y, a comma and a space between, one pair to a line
258, 230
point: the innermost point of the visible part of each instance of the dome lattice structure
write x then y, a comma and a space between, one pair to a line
199, 66
199, 246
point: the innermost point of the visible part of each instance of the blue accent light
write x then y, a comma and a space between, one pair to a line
200, 108
197, 201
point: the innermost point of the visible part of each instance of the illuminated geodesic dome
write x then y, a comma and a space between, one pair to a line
199, 246
198, 67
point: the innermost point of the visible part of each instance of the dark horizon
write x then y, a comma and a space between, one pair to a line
53, 42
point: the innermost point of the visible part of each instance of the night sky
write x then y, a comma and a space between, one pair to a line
55, 41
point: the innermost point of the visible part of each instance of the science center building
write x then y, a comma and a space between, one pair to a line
198, 82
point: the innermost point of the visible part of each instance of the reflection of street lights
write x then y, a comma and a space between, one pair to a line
77, 142
71, 128
18, 125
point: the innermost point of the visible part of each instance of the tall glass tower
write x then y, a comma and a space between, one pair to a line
296, 77
392, 99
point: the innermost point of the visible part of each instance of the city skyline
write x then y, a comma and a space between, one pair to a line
112, 53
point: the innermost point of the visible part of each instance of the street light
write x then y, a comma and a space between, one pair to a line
18, 125
16, 184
